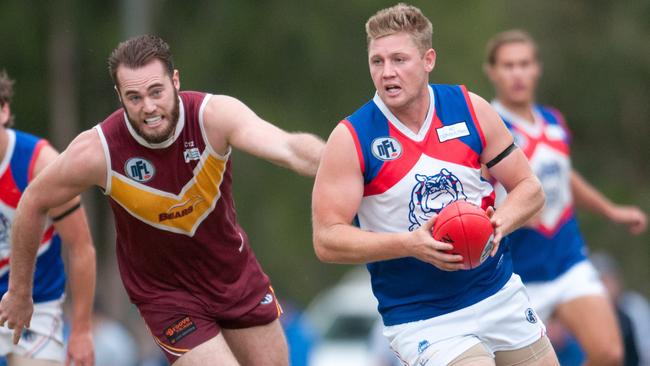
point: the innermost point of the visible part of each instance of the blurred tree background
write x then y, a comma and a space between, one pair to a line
302, 65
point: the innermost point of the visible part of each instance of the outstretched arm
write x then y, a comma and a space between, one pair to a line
335, 200
588, 197
71, 224
81, 274
525, 196
79, 167
230, 122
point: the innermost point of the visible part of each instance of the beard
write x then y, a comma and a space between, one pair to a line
158, 137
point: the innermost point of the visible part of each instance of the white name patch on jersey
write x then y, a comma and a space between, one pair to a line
191, 154
452, 131
554, 132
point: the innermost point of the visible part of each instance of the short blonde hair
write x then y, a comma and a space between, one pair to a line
401, 18
504, 38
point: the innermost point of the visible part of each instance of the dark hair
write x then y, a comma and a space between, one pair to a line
6, 94
139, 51
507, 37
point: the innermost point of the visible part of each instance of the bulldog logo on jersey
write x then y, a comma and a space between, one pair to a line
431, 194
386, 148
139, 169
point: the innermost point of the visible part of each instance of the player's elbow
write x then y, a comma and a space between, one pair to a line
88, 250
302, 167
323, 248
322, 252
31, 205
81, 249
304, 153
538, 196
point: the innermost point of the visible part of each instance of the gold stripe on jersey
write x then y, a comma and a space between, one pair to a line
180, 213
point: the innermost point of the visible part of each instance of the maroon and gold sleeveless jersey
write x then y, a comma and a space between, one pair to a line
178, 240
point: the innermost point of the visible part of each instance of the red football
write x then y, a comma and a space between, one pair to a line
468, 228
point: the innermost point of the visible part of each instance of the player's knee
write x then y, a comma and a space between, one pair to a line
611, 355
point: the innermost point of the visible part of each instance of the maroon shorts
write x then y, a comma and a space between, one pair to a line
178, 331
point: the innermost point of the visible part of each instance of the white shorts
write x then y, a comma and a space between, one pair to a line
504, 321
44, 338
580, 280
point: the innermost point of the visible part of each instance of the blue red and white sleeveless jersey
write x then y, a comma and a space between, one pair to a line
178, 240
552, 244
410, 176
16, 171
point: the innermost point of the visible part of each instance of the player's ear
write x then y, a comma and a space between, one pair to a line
176, 79
5, 114
488, 69
117, 91
429, 59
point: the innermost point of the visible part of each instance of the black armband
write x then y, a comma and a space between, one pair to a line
67, 212
501, 156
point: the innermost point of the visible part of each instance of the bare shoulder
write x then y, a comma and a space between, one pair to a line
228, 121
226, 113
339, 150
338, 188
224, 108
83, 148
84, 160
481, 107
45, 157
497, 137
487, 117
87, 142
221, 100
340, 136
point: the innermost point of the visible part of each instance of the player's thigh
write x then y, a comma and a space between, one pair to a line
212, 352
263, 345
475, 356
593, 322
16, 360
539, 353
178, 331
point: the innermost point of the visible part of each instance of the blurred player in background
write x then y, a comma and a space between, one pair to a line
22, 158
631, 308
390, 167
549, 253
164, 162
